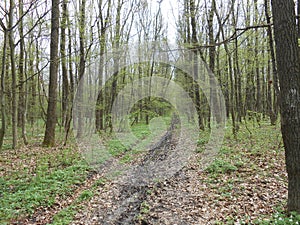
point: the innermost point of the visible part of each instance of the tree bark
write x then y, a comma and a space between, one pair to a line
102, 28
235, 126
64, 70
81, 69
257, 63
285, 31
274, 110
196, 63
2, 86
22, 85
13, 76
49, 138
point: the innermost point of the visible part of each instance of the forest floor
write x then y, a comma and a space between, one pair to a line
245, 184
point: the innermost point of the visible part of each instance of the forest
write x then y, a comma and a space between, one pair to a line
149, 112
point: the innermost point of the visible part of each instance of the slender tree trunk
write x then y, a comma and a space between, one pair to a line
196, 63
102, 27
32, 82
257, 64
81, 115
237, 76
212, 58
269, 90
116, 59
64, 70
298, 20
49, 138
14, 76
289, 77
22, 92
235, 126
274, 112
2, 87
71, 84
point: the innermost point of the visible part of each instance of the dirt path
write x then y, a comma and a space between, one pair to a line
123, 200
189, 196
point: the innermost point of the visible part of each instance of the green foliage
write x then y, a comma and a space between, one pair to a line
65, 216
281, 218
21, 193
86, 194
202, 141
126, 158
144, 207
99, 182
221, 166
116, 147
141, 130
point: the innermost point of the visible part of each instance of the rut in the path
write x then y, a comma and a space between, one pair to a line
133, 189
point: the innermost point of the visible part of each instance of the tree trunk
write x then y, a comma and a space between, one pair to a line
49, 139
289, 78
80, 124
258, 104
22, 84
116, 59
71, 85
2, 87
196, 63
274, 112
102, 28
235, 126
214, 102
13, 76
64, 70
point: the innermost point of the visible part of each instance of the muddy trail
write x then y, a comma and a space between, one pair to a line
124, 202
162, 187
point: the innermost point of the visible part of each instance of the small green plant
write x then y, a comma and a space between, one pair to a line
65, 216
144, 208
116, 148
126, 158
201, 142
23, 195
85, 195
99, 182
281, 218
221, 166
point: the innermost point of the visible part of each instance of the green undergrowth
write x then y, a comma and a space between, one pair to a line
280, 218
66, 215
140, 139
125, 151
246, 153
57, 173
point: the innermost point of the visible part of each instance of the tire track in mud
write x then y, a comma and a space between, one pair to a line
121, 201
133, 191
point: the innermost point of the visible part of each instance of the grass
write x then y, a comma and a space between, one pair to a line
37, 177
220, 166
143, 138
256, 150
66, 215
56, 175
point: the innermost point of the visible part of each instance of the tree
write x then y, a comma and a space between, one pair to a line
273, 111
196, 62
2, 85
22, 85
64, 69
102, 30
13, 74
49, 139
285, 31
82, 56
